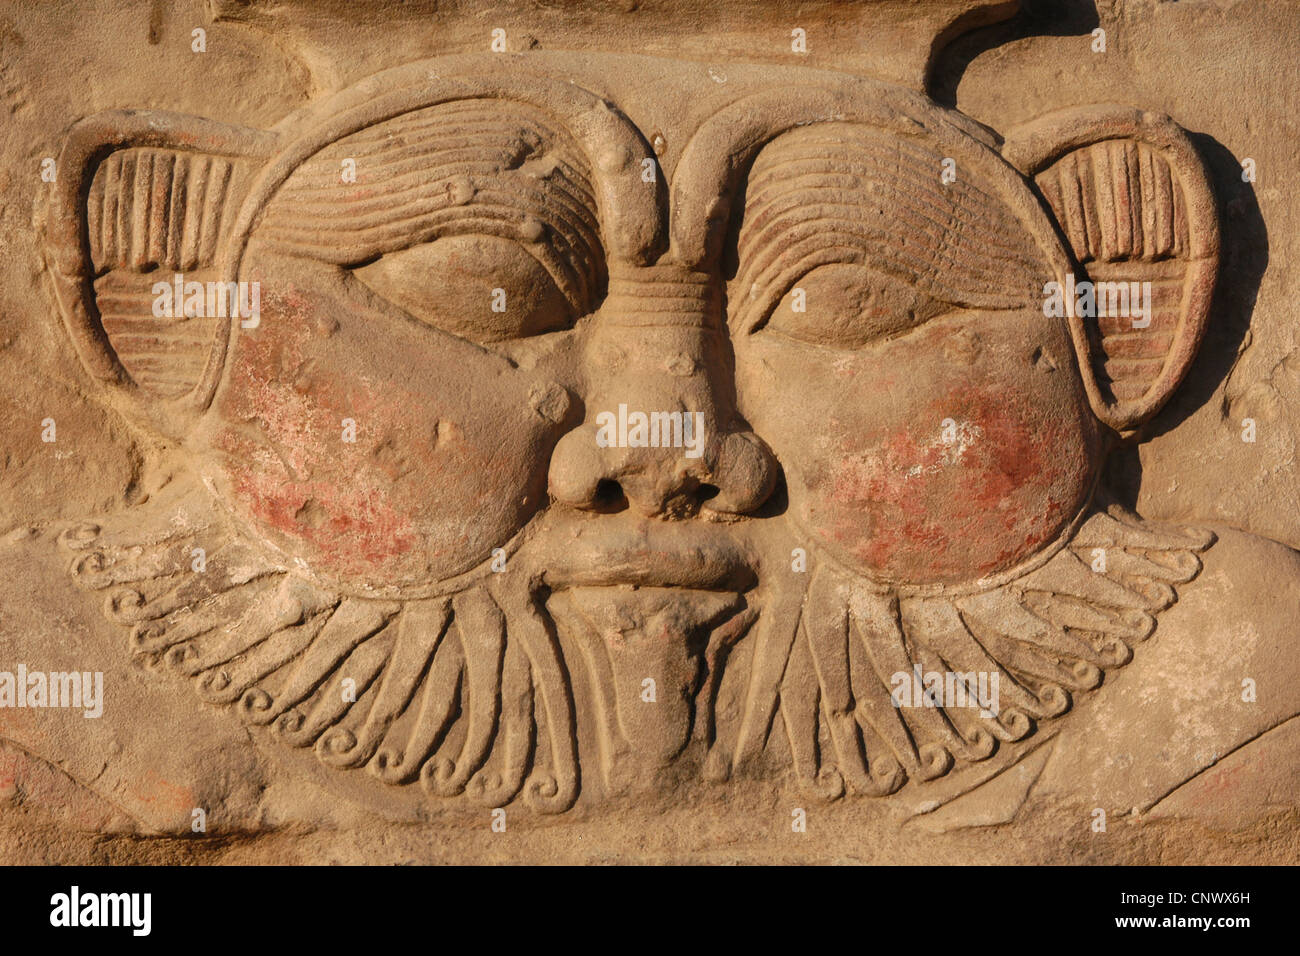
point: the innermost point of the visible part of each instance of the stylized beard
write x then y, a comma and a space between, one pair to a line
494, 689
852, 666
426, 691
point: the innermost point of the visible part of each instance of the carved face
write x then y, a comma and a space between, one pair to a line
422, 277
482, 303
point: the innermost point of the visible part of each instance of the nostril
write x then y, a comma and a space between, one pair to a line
608, 497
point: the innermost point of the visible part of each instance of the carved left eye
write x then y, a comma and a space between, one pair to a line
481, 288
847, 306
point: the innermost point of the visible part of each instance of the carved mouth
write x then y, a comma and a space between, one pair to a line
611, 552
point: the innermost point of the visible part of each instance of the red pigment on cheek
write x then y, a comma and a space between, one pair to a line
353, 530
349, 521
292, 473
969, 510
350, 524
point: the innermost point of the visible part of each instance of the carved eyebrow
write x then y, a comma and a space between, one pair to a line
469, 167
846, 193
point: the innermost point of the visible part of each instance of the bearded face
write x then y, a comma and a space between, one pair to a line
430, 558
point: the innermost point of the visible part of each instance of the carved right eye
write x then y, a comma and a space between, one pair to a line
847, 306
481, 288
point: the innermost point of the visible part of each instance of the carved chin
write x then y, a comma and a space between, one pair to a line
648, 652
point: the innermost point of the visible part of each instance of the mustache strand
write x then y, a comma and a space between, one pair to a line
419, 630
398, 763
481, 627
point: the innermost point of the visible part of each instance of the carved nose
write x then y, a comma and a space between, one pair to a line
661, 434
733, 474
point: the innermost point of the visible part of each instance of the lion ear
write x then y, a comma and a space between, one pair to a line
140, 197
1132, 200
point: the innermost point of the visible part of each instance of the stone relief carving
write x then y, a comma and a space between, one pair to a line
851, 452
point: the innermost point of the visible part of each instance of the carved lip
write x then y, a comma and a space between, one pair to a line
608, 552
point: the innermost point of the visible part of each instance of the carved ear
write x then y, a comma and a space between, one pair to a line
139, 197
1131, 198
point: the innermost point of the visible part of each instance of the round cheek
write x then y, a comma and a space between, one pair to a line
937, 459
976, 483
362, 448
